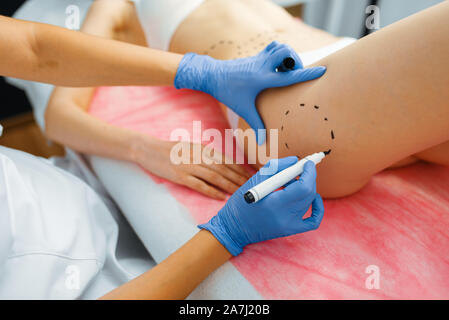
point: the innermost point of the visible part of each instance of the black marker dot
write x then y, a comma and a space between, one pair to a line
282, 128
325, 119
316, 107
287, 112
287, 146
332, 134
302, 104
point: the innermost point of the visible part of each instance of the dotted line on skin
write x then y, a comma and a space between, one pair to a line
332, 134
242, 45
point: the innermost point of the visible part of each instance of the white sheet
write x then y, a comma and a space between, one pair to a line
58, 239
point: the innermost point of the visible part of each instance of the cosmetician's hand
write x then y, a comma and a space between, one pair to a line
279, 214
236, 83
208, 179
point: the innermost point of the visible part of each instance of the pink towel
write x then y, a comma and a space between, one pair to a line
388, 241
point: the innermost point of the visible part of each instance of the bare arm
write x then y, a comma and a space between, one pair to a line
67, 121
45, 53
179, 274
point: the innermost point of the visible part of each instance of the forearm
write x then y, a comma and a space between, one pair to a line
68, 124
67, 58
178, 275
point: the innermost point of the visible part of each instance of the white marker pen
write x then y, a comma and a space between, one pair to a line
273, 183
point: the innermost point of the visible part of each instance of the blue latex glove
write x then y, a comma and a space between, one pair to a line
279, 214
236, 83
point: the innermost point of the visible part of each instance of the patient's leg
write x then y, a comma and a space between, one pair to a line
438, 154
382, 99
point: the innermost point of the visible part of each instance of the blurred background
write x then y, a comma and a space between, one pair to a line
339, 17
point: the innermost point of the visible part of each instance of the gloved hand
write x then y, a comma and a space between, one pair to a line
279, 214
236, 83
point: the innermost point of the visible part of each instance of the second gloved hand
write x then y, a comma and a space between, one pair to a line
279, 214
236, 83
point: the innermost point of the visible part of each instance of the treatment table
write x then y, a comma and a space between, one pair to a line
388, 241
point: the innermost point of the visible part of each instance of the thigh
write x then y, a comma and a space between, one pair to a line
378, 103
404, 162
438, 154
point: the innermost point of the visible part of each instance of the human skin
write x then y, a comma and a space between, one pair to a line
372, 93
45, 53
383, 100
68, 122
198, 258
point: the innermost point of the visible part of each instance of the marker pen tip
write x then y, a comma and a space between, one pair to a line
327, 152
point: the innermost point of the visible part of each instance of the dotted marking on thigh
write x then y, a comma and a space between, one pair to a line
317, 108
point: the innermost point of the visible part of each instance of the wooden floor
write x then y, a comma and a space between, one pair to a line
21, 132
296, 11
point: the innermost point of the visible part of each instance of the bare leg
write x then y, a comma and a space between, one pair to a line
382, 99
438, 154
383, 102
